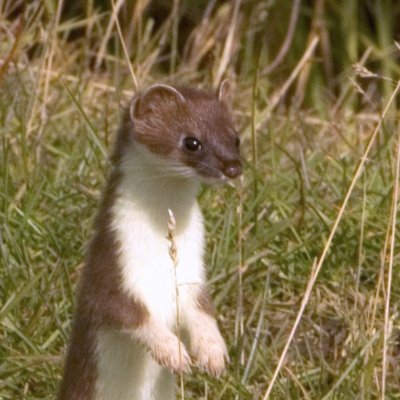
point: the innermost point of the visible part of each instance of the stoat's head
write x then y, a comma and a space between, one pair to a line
189, 128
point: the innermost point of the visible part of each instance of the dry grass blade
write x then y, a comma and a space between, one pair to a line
51, 52
294, 16
92, 85
390, 270
316, 270
226, 55
9, 58
239, 321
128, 61
310, 285
173, 253
103, 46
277, 97
45, 71
360, 245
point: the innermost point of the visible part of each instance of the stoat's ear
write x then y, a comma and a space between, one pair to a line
154, 98
225, 92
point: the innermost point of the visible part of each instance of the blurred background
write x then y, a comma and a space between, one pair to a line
202, 40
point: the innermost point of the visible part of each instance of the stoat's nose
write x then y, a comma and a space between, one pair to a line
232, 169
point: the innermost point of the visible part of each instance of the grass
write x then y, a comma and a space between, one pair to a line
306, 126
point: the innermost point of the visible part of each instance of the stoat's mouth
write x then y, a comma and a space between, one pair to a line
217, 171
218, 179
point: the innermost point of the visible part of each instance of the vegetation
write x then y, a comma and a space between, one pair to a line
311, 230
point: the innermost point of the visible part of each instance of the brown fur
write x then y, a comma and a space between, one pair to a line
101, 302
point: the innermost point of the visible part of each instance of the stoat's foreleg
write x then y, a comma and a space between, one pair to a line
133, 318
164, 346
206, 343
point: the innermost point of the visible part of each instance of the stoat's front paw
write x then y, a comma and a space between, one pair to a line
210, 351
168, 354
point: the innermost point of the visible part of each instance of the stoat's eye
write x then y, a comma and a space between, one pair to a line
192, 144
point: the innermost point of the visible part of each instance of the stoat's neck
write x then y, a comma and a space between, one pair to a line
151, 186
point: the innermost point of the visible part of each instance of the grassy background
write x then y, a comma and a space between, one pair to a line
305, 123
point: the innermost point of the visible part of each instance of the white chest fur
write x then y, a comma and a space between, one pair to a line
141, 225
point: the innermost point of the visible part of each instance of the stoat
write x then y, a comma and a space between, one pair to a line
125, 342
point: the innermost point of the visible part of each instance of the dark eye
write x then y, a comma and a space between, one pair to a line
192, 144
237, 142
